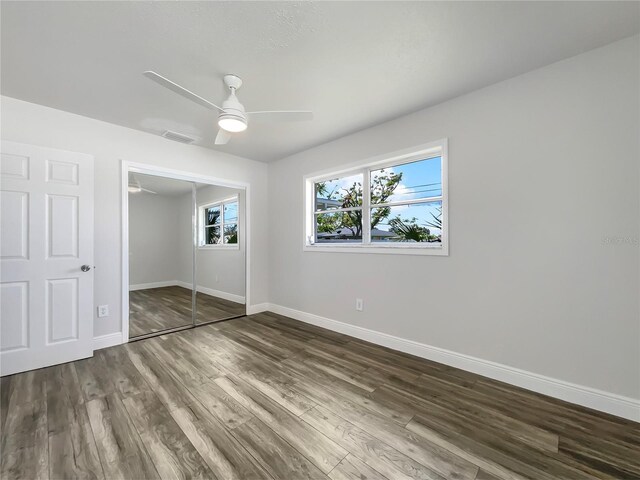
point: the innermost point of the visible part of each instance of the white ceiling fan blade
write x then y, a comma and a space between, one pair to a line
281, 116
222, 137
148, 191
174, 87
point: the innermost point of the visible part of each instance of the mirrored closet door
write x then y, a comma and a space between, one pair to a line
220, 253
180, 232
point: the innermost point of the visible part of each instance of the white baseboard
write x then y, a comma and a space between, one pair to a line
145, 286
106, 341
220, 294
258, 308
208, 291
232, 297
621, 406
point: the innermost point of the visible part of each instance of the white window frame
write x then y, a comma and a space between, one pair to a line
437, 148
201, 224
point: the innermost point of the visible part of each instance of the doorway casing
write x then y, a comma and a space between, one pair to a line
147, 169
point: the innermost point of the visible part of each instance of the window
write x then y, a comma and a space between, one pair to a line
219, 223
393, 205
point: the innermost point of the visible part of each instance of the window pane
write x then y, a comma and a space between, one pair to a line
212, 215
420, 222
231, 212
345, 192
230, 233
212, 235
410, 181
339, 227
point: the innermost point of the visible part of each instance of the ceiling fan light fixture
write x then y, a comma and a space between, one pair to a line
232, 117
135, 188
232, 123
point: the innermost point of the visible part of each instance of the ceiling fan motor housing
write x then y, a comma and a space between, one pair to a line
233, 117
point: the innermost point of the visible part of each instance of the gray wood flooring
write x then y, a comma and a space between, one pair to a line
157, 309
266, 397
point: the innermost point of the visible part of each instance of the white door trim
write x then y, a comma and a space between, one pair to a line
144, 168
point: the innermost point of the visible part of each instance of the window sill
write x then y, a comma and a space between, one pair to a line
440, 250
219, 247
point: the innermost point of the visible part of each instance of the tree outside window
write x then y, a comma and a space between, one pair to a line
404, 204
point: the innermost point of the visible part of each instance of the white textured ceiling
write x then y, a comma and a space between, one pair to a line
173, 187
355, 64
160, 185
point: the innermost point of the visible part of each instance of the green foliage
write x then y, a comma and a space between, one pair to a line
213, 216
232, 233
382, 187
437, 220
328, 222
353, 219
212, 235
409, 230
322, 190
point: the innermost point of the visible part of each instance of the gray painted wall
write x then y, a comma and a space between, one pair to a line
543, 175
154, 240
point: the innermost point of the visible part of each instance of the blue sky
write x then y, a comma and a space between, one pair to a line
419, 179
231, 212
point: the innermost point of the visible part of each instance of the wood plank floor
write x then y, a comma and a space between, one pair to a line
157, 309
266, 397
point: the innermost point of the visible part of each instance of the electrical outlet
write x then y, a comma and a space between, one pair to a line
103, 311
359, 304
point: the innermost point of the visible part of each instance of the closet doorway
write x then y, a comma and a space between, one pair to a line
185, 240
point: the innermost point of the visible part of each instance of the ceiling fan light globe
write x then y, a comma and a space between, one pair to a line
232, 123
134, 189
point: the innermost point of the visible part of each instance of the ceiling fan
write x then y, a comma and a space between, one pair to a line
232, 117
135, 187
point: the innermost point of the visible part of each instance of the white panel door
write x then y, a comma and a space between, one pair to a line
46, 236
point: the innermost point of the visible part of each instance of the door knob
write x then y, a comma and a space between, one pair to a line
85, 268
